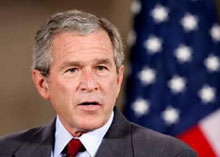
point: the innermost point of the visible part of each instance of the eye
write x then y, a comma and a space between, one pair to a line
101, 68
72, 70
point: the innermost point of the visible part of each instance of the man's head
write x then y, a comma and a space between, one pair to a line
77, 65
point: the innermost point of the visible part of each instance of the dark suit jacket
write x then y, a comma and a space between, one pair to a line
123, 139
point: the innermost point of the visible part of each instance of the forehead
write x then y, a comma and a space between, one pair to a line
75, 46
77, 40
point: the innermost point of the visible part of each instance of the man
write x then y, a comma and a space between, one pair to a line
77, 66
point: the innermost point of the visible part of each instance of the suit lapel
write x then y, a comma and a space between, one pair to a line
40, 143
117, 141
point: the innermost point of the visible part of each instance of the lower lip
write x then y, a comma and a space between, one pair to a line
90, 107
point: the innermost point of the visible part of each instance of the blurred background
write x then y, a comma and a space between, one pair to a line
22, 107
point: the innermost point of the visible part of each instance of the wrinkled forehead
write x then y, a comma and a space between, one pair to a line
71, 43
82, 34
76, 38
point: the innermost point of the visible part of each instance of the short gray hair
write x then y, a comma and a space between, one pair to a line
72, 21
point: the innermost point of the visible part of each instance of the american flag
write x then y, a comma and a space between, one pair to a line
173, 84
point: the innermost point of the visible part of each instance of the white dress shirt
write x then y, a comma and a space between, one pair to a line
90, 140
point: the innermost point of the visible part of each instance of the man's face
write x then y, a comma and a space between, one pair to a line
83, 83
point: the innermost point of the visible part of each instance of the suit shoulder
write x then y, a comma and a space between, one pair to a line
11, 142
147, 140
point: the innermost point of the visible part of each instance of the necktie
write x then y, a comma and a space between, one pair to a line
73, 147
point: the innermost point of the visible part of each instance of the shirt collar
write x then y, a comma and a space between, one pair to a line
62, 138
90, 140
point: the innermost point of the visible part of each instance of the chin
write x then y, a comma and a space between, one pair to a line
91, 125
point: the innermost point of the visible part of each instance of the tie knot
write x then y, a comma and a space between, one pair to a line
73, 147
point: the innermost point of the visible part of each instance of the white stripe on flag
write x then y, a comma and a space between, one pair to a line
210, 126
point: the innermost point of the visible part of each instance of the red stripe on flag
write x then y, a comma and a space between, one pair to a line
195, 138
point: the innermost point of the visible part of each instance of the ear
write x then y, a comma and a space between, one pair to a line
41, 83
120, 77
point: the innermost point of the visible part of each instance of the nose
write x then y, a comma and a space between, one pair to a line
88, 82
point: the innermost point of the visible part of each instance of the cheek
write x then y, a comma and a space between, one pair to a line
61, 98
111, 88
60, 92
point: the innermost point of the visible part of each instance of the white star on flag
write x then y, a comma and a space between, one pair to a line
170, 115
183, 53
140, 107
215, 32
160, 14
212, 63
147, 75
135, 6
153, 44
207, 94
177, 84
189, 22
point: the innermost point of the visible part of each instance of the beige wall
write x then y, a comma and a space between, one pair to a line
21, 106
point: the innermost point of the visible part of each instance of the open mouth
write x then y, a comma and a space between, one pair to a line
90, 106
89, 103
